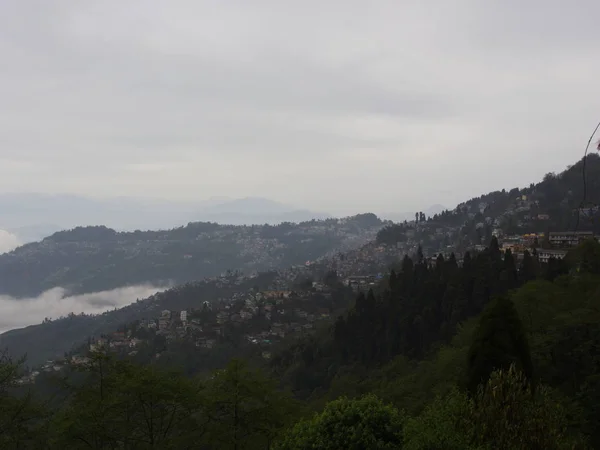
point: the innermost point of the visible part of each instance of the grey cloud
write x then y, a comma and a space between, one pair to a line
186, 98
55, 303
8, 241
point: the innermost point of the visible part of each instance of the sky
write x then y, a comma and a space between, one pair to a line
337, 106
8, 241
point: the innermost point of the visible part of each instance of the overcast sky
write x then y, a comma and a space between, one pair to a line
339, 106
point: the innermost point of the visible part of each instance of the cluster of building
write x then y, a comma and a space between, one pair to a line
555, 245
280, 313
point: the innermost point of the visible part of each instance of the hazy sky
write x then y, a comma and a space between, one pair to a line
339, 106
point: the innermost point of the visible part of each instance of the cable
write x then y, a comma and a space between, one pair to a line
584, 175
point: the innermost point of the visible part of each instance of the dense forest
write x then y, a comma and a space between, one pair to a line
489, 353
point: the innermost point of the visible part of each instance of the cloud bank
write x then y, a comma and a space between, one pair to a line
54, 303
341, 107
8, 241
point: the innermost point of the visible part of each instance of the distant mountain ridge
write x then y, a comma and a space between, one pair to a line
32, 216
93, 259
256, 210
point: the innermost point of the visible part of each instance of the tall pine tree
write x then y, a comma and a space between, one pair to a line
499, 341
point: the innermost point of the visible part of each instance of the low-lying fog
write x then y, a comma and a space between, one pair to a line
17, 313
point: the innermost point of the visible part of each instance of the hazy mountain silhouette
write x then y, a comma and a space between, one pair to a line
32, 216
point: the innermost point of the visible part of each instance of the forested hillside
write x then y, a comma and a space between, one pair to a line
93, 259
507, 360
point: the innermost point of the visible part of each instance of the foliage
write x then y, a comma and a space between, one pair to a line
114, 403
120, 405
499, 342
444, 423
245, 410
508, 415
365, 423
418, 307
504, 414
20, 414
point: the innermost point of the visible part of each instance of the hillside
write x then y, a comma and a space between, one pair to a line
413, 345
230, 292
51, 339
451, 231
422, 338
92, 259
557, 203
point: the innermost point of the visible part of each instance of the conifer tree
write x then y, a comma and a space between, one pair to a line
509, 273
499, 341
527, 272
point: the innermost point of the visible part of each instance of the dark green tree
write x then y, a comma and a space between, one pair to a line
503, 415
499, 341
245, 409
21, 417
116, 404
509, 272
587, 256
528, 270
360, 424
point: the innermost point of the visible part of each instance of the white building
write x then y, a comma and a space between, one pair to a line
545, 254
183, 316
568, 238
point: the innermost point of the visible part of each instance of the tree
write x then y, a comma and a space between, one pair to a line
117, 404
499, 341
20, 415
509, 273
444, 424
420, 257
504, 414
365, 423
509, 415
528, 269
587, 256
245, 409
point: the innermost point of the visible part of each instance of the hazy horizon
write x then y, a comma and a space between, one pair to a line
31, 227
